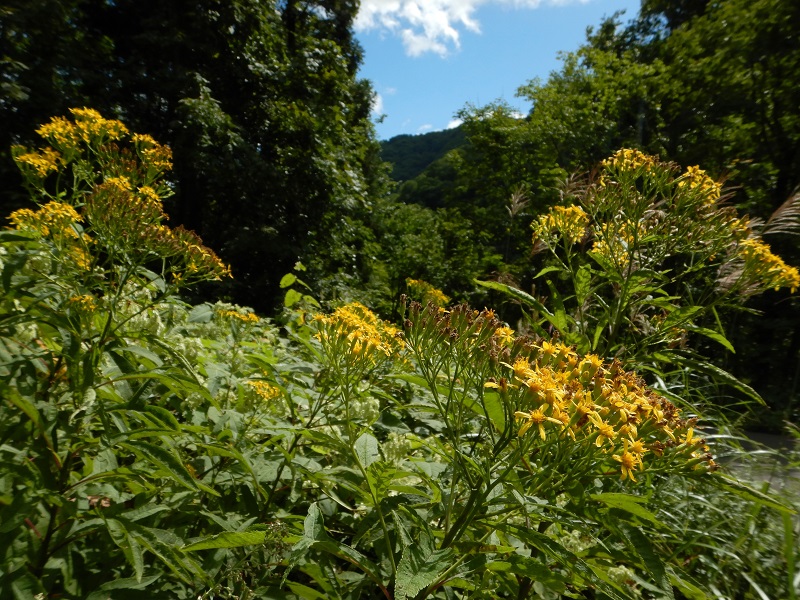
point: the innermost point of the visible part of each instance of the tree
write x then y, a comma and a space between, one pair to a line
259, 101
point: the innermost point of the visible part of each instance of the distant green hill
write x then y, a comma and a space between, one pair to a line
411, 154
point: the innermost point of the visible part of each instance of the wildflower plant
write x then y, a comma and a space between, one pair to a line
645, 260
151, 447
515, 441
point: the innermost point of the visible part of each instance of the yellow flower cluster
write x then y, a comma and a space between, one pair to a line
570, 221
151, 153
362, 332
134, 221
769, 268
504, 335
567, 395
628, 159
616, 243
243, 317
40, 164
55, 220
426, 292
88, 127
695, 178
266, 391
83, 303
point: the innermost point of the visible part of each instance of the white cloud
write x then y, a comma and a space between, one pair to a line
454, 123
432, 25
424, 128
377, 104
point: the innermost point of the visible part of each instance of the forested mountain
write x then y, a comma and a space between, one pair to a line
409, 155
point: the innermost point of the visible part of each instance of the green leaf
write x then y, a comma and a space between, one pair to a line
287, 280
560, 320
789, 550
228, 539
735, 486
292, 297
493, 404
715, 336
126, 583
314, 536
531, 568
164, 460
419, 568
583, 283
546, 270
628, 503
366, 449
719, 375
564, 557
202, 313
380, 475
518, 295
642, 546
686, 587
305, 592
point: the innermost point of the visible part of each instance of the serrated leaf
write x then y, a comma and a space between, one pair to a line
583, 282
517, 294
546, 270
493, 404
314, 536
380, 475
563, 556
164, 460
292, 297
642, 546
228, 539
366, 449
418, 569
532, 568
202, 313
715, 336
127, 583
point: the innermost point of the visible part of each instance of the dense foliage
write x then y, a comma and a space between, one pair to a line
698, 83
274, 153
154, 447
153, 444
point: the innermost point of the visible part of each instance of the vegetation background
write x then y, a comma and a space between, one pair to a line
275, 165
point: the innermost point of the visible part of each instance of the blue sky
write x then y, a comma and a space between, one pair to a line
426, 59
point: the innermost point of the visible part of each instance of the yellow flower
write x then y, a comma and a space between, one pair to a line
696, 179
762, 264
61, 133
535, 417
504, 335
570, 221
243, 317
265, 390
84, 303
629, 461
55, 219
426, 292
42, 163
604, 430
628, 159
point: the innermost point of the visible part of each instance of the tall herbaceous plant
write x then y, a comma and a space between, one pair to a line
153, 448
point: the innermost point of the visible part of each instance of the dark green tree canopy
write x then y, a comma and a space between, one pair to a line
259, 101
